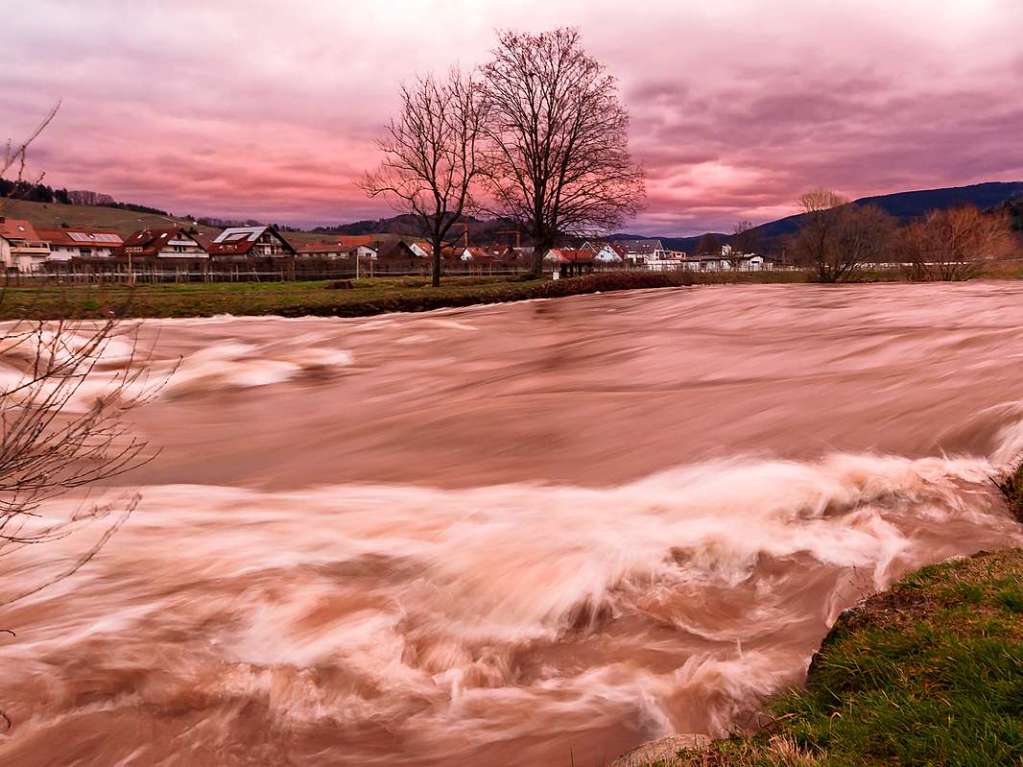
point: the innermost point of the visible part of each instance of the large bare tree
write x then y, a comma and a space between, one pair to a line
954, 244
558, 158
431, 157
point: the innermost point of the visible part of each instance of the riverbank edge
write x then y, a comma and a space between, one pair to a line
360, 298
927, 672
321, 299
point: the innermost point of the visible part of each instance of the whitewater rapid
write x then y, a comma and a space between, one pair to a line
520, 535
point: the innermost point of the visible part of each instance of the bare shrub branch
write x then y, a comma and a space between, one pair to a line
954, 244
66, 387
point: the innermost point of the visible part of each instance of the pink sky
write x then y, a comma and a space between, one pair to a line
269, 110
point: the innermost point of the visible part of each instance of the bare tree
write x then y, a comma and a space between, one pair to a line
953, 244
866, 237
16, 154
63, 431
431, 158
558, 159
837, 237
815, 244
64, 389
744, 238
62, 425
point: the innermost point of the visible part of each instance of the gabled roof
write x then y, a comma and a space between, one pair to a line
478, 254
17, 229
239, 240
354, 241
570, 255
640, 247
87, 236
153, 241
312, 248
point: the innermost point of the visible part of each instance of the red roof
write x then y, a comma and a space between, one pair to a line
152, 241
87, 236
353, 241
17, 229
312, 248
573, 255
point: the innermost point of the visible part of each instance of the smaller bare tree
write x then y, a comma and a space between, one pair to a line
745, 239
954, 244
837, 237
815, 244
431, 158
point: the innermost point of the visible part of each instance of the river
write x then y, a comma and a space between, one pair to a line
526, 534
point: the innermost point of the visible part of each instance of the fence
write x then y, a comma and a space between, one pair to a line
114, 274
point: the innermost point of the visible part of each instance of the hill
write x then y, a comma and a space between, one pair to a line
481, 231
906, 206
53, 215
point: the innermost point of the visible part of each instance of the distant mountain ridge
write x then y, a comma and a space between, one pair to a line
904, 206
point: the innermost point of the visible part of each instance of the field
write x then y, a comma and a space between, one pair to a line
54, 215
295, 299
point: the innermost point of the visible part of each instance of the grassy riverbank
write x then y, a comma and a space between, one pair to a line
296, 299
364, 297
928, 673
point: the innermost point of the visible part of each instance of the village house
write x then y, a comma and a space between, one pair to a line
606, 253
517, 257
21, 247
422, 249
328, 250
81, 242
170, 242
364, 247
640, 252
669, 261
566, 262
478, 256
755, 262
364, 253
252, 241
398, 256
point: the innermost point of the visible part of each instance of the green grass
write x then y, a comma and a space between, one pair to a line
928, 673
294, 299
52, 215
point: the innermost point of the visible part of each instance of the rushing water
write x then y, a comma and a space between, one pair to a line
532, 534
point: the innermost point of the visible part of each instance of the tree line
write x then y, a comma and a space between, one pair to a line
537, 136
837, 239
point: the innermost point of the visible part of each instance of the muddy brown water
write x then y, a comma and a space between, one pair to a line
530, 534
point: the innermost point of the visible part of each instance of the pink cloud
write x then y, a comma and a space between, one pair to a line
270, 110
